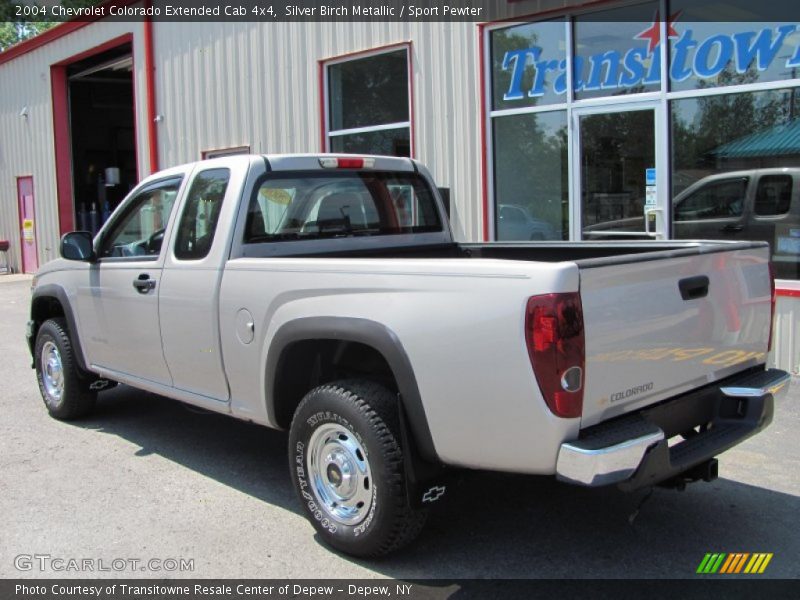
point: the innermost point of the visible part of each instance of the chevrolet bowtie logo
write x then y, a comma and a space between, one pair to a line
433, 494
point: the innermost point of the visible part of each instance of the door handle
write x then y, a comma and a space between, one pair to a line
144, 284
693, 288
732, 228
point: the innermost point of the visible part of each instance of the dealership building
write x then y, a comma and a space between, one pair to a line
558, 120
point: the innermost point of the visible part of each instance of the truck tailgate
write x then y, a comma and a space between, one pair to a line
661, 324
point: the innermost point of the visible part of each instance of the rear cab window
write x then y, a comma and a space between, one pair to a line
313, 205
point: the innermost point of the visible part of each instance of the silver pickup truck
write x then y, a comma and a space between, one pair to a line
325, 295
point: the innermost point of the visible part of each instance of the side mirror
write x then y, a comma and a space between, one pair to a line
445, 194
77, 245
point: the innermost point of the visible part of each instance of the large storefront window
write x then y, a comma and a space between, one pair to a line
736, 171
698, 139
618, 59
530, 65
368, 104
531, 187
706, 52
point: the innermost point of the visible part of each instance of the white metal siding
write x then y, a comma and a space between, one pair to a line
786, 344
26, 145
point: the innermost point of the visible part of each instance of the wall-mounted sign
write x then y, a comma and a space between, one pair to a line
650, 196
692, 56
27, 230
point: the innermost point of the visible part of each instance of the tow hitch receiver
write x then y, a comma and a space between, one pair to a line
707, 471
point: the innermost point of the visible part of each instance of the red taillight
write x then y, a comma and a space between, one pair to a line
773, 300
556, 346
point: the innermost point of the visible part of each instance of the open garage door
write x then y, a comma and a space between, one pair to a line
94, 130
102, 134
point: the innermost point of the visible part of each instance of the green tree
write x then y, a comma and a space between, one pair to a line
13, 30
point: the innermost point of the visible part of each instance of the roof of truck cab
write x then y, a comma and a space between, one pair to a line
287, 162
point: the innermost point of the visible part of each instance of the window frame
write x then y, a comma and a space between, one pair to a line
324, 95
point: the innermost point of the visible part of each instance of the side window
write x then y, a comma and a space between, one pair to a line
716, 200
773, 195
201, 213
139, 231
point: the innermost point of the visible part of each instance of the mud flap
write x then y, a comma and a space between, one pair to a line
427, 483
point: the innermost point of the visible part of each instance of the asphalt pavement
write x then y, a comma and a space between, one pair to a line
149, 479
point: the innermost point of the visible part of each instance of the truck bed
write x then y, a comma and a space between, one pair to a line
660, 318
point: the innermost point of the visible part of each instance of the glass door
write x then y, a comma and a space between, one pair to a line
619, 186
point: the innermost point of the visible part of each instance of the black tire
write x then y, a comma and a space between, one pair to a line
366, 411
76, 399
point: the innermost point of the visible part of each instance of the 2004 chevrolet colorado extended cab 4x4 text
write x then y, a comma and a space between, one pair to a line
326, 295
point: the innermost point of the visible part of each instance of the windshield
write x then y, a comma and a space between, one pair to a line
311, 205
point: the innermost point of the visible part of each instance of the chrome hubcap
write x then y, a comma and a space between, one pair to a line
52, 372
340, 474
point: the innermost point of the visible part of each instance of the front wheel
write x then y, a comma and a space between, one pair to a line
346, 463
66, 394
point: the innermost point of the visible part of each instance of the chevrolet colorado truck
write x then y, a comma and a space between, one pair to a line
325, 295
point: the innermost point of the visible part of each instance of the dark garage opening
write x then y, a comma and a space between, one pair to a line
102, 128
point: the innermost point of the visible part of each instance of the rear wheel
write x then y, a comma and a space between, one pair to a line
65, 392
347, 467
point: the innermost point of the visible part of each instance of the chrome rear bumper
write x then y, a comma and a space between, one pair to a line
633, 450
604, 466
